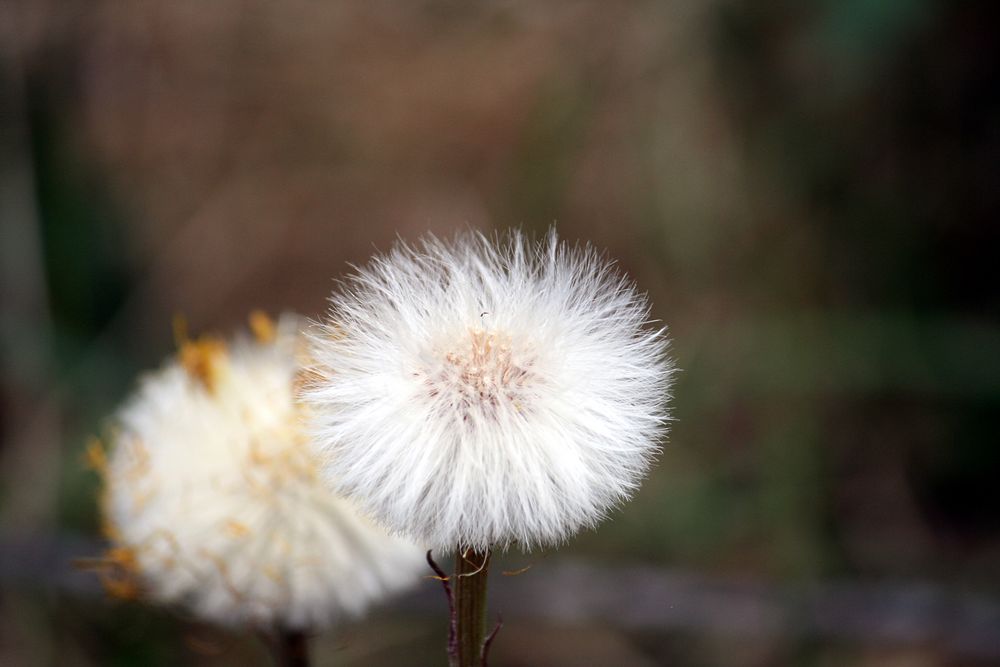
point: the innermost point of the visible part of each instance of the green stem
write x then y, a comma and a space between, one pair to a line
471, 569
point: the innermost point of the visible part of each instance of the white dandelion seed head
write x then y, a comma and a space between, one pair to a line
215, 502
485, 392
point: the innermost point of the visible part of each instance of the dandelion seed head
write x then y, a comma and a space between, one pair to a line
213, 499
486, 392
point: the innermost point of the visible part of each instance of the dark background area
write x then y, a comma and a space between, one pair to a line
808, 192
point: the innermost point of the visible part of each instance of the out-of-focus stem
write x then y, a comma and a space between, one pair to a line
471, 569
292, 649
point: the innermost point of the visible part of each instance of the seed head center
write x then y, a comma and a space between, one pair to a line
480, 373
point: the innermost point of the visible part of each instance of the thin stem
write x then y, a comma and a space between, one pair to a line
489, 639
471, 569
291, 649
452, 622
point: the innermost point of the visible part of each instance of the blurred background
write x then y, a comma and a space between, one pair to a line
808, 192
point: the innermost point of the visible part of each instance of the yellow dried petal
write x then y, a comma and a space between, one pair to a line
263, 327
202, 359
95, 457
237, 529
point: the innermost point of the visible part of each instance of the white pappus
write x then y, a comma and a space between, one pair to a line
483, 392
213, 500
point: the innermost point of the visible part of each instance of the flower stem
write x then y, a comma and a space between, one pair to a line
291, 649
471, 569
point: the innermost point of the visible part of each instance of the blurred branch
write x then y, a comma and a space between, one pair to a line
913, 614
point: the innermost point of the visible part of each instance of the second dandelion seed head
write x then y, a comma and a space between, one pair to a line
213, 499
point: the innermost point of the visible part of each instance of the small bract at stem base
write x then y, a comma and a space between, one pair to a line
471, 570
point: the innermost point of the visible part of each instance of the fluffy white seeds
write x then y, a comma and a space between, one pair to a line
484, 392
214, 501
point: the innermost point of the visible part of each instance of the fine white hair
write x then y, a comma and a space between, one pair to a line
483, 392
214, 500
